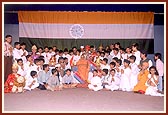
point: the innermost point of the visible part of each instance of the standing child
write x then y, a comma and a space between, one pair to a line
152, 82
95, 83
125, 76
31, 82
68, 81
134, 71
53, 82
115, 81
160, 69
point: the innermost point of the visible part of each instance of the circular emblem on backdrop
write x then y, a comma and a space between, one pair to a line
76, 31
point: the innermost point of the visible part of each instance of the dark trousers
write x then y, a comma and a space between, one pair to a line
7, 66
42, 87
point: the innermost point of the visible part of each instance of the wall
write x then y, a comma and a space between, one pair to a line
13, 29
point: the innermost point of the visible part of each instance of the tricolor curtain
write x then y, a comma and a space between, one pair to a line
86, 26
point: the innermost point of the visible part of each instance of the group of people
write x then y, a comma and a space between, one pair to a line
110, 68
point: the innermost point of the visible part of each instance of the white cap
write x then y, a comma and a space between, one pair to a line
81, 47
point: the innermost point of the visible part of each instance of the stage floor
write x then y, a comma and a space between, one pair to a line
81, 100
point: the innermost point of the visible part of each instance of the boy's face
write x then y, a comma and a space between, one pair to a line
68, 73
23, 46
20, 63
95, 73
112, 73
111, 66
131, 60
46, 49
18, 46
126, 64
103, 73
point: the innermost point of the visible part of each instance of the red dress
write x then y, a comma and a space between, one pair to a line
9, 82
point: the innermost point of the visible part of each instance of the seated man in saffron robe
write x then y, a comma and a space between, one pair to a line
10, 80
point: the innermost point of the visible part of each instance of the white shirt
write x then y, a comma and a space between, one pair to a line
16, 54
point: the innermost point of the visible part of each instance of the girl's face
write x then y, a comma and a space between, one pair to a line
152, 71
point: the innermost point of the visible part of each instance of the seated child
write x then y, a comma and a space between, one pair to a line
68, 80
31, 82
53, 82
95, 83
152, 82
105, 78
115, 81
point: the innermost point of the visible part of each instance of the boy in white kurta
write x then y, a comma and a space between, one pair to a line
134, 71
125, 76
31, 82
115, 81
95, 83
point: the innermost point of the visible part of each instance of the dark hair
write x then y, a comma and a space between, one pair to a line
115, 58
45, 66
144, 52
105, 59
95, 70
116, 49
68, 70
105, 70
33, 73
135, 45
36, 60
22, 44
66, 50
119, 61
45, 47
112, 70
40, 48
158, 55
8, 36
16, 43
113, 63
28, 56
19, 60
50, 48
60, 51
132, 57
54, 70
153, 67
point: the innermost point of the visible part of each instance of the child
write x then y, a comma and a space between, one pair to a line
105, 78
16, 51
53, 82
134, 72
105, 64
136, 53
95, 83
152, 82
68, 80
31, 82
125, 76
21, 69
10, 80
115, 81
160, 69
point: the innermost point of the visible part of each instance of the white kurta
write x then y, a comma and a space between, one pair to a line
113, 85
152, 90
138, 58
134, 74
125, 80
95, 81
29, 80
